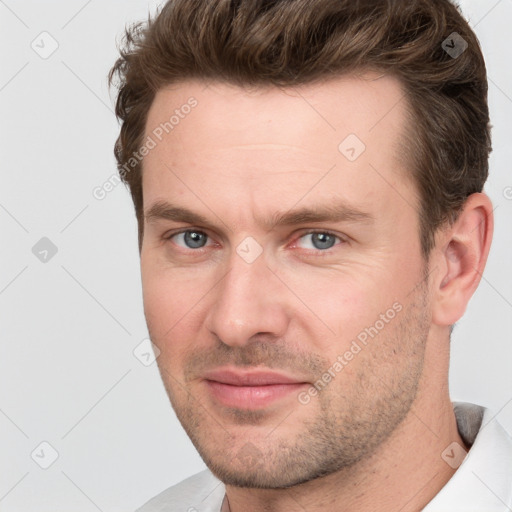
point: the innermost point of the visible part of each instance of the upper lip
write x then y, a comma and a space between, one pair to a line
249, 378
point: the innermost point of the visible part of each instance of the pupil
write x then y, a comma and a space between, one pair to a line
322, 240
194, 239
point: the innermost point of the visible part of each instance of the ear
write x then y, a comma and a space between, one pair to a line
460, 258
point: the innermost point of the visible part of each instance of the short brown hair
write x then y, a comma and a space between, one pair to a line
295, 42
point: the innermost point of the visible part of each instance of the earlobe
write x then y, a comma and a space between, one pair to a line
461, 258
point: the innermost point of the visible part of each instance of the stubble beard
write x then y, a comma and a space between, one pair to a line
349, 419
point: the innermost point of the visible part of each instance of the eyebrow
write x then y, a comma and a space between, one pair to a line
338, 212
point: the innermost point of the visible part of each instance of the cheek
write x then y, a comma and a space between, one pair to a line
159, 303
169, 300
341, 302
166, 321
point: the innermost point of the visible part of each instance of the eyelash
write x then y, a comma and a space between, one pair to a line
317, 252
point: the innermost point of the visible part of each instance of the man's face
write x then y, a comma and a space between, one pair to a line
340, 302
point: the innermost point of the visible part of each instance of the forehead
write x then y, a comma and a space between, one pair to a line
247, 140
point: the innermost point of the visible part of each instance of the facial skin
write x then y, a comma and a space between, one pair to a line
375, 432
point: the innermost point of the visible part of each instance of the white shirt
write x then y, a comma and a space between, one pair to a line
482, 483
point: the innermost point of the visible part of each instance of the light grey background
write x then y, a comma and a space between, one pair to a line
69, 326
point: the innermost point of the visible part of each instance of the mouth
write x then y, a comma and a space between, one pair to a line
251, 389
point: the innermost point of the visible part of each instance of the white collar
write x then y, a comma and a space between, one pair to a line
483, 482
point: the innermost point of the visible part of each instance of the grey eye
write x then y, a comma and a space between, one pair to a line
322, 240
318, 240
191, 239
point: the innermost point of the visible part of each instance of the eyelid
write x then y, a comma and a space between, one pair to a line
169, 234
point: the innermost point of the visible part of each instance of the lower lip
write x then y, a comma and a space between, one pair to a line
250, 397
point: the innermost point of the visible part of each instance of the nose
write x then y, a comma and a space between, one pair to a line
248, 301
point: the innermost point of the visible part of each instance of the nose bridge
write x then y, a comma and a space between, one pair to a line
244, 304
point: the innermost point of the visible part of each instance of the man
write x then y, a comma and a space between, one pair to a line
307, 177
